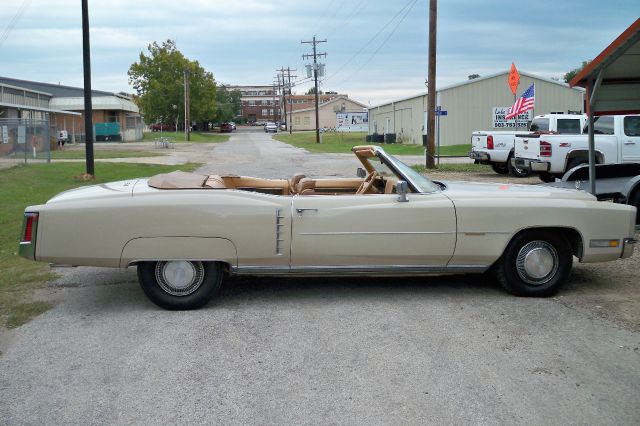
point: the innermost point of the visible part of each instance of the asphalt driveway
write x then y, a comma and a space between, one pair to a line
454, 350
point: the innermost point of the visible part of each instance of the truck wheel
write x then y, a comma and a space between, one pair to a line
575, 162
634, 200
546, 177
535, 264
501, 169
180, 284
515, 171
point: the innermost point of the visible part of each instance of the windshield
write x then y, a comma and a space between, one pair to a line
422, 183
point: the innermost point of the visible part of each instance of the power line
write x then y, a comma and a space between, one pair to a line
370, 40
315, 77
364, 64
14, 21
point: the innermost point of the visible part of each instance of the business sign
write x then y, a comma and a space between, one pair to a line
499, 122
352, 121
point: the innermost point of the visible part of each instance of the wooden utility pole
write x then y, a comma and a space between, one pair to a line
187, 114
88, 107
290, 106
431, 86
315, 78
283, 105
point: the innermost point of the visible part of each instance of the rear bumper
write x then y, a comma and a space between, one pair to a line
533, 165
480, 157
628, 244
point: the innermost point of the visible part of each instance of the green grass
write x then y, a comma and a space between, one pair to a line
178, 137
456, 168
80, 154
343, 142
35, 184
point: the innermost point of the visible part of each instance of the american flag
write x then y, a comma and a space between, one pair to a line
524, 103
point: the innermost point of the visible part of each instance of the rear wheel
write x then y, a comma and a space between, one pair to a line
501, 169
546, 177
180, 284
535, 263
576, 162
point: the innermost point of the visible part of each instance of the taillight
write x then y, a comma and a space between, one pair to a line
489, 142
31, 221
545, 149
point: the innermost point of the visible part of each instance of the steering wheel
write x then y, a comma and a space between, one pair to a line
367, 183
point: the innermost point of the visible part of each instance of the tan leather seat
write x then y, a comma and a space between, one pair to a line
306, 186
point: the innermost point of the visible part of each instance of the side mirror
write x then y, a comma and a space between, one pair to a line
361, 173
402, 189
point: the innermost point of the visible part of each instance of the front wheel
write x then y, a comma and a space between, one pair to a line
535, 264
634, 200
180, 284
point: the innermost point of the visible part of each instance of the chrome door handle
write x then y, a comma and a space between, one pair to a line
300, 211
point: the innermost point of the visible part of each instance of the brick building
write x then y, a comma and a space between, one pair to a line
259, 103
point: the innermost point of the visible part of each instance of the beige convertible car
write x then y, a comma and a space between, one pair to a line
186, 231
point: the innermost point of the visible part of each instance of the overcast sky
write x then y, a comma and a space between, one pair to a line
376, 49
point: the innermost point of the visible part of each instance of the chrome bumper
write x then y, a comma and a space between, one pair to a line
628, 245
481, 156
533, 165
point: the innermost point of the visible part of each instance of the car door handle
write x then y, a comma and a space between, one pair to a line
300, 211
629, 143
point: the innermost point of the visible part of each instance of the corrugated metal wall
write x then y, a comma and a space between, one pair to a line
470, 107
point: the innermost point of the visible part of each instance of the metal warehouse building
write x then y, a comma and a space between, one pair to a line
477, 104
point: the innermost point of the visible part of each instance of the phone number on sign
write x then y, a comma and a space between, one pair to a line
498, 124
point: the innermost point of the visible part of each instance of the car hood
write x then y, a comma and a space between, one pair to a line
462, 190
104, 190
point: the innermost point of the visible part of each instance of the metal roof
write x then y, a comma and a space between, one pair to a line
477, 80
614, 75
32, 108
56, 90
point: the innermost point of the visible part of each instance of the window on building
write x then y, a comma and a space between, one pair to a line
296, 120
252, 103
270, 111
307, 120
112, 117
264, 112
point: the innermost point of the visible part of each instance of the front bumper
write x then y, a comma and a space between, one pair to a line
628, 244
533, 165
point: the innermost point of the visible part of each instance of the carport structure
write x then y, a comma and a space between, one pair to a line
612, 83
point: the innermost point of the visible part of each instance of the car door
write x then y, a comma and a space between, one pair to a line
372, 231
631, 139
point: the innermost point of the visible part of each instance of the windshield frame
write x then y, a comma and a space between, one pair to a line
417, 182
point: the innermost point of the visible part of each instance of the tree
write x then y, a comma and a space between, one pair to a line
473, 76
571, 74
229, 104
158, 79
312, 91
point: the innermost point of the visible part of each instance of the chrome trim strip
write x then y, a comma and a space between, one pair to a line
359, 270
279, 226
476, 233
374, 233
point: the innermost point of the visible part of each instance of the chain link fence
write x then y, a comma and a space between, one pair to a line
24, 140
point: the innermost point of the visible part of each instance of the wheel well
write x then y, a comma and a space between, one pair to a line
585, 155
571, 234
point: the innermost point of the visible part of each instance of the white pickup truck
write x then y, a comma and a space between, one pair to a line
496, 147
617, 140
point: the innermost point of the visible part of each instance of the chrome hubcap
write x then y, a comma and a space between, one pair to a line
179, 277
537, 262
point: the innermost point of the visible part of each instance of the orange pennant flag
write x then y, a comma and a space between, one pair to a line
514, 78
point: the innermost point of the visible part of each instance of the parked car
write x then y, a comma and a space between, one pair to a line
496, 148
617, 140
271, 127
233, 125
185, 231
160, 127
226, 128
